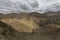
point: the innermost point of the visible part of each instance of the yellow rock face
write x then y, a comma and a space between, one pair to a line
23, 24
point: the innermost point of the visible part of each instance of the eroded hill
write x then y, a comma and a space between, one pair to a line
29, 26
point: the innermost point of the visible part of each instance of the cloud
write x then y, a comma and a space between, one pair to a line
29, 5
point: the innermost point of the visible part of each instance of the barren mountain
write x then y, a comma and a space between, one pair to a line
30, 26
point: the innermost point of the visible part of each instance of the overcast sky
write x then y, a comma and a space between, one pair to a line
29, 5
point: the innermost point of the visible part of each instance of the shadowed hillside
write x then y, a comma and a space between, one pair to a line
30, 26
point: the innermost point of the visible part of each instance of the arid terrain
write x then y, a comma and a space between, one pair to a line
30, 26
